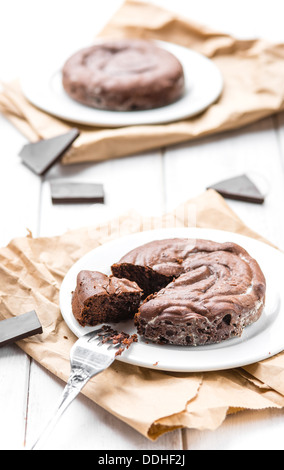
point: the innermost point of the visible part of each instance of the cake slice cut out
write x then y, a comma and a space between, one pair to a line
239, 188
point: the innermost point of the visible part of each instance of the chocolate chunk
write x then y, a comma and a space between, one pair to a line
20, 327
41, 156
99, 298
239, 188
63, 192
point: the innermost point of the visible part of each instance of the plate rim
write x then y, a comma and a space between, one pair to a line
127, 358
28, 79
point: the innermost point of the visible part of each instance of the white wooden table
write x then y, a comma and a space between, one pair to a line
28, 392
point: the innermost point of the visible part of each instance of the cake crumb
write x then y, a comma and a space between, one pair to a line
118, 338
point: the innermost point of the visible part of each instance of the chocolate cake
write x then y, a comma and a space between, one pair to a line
123, 75
99, 298
198, 291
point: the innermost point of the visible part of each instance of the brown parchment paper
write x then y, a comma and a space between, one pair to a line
253, 73
151, 401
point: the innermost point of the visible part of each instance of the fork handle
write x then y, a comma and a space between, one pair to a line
77, 380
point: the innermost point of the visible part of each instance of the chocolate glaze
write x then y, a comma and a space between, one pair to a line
100, 298
216, 290
123, 75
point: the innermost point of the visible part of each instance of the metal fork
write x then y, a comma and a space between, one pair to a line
86, 362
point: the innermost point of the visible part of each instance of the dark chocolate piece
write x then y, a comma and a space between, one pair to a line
239, 188
41, 156
99, 298
63, 192
20, 327
108, 335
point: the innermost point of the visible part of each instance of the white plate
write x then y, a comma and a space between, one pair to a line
259, 341
43, 88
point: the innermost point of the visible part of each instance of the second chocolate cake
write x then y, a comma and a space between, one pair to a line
197, 291
124, 75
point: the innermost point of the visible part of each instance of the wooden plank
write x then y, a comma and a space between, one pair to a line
247, 430
188, 170
14, 381
124, 190
20, 212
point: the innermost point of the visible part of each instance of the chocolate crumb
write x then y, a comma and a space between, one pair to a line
118, 338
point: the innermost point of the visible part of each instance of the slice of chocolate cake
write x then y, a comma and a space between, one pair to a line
99, 298
147, 278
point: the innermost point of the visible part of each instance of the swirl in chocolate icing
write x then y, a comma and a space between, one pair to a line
215, 291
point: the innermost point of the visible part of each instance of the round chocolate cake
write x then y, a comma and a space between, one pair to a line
196, 292
123, 75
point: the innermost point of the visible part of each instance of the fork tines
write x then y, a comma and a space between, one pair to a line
107, 334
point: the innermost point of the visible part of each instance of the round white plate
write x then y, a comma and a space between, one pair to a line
259, 341
43, 88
